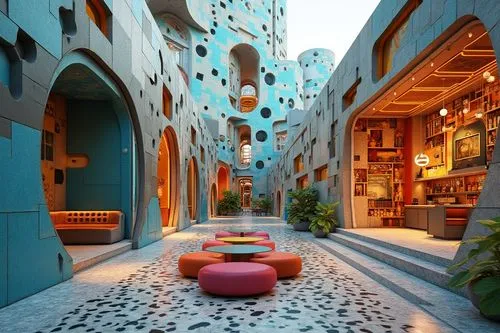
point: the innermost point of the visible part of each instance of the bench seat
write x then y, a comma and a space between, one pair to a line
89, 227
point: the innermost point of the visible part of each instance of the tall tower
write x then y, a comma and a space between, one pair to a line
317, 66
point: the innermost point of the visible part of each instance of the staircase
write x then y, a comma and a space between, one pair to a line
418, 277
425, 266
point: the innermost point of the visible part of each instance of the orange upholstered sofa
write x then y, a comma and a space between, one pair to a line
89, 227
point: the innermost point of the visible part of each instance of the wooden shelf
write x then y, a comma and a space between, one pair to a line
434, 135
492, 129
462, 173
452, 193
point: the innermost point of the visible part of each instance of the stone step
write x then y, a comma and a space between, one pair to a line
454, 310
401, 249
423, 269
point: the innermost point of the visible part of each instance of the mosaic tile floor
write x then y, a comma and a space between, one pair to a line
142, 291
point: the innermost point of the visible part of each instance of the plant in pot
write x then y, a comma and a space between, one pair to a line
265, 204
230, 204
482, 277
302, 208
325, 219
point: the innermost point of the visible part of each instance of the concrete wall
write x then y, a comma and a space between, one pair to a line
318, 66
431, 20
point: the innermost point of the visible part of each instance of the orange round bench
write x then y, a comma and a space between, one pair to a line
191, 263
210, 243
237, 279
267, 243
285, 264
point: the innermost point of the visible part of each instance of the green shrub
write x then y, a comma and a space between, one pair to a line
326, 217
229, 204
484, 273
303, 204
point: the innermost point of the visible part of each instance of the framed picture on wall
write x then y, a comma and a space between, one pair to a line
468, 147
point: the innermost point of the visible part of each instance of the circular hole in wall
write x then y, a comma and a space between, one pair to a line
281, 100
201, 50
265, 112
270, 79
291, 103
259, 165
316, 54
261, 136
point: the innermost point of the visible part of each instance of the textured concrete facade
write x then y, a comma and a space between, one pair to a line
318, 66
38, 40
430, 24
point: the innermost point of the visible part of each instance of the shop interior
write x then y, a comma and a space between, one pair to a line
421, 150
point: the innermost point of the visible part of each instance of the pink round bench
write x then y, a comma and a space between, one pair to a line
237, 279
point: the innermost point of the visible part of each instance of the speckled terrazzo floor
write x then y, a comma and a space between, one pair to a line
142, 291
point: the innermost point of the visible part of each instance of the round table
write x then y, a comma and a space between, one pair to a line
235, 253
240, 230
240, 240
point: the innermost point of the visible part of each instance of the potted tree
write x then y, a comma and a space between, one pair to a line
325, 219
230, 204
265, 204
482, 277
302, 208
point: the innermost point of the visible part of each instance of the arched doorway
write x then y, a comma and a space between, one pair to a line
168, 178
192, 189
246, 186
213, 201
278, 203
88, 155
222, 180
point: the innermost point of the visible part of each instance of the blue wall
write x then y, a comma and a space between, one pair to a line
93, 130
152, 230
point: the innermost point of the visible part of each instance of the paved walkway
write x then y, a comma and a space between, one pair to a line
142, 291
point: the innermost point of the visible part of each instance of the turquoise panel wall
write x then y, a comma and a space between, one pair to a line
93, 130
152, 230
4, 68
33, 263
3, 260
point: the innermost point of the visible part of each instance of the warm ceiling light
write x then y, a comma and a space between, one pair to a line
373, 109
443, 112
395, 93
465, 110
470, 35
413, 78
486, 75
432, 64
491, 79
479, 114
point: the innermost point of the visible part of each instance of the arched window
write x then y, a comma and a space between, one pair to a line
97, 13
244, 77
245, 155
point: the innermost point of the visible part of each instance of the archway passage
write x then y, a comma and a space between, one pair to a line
213, 201
245, 189
168, 178
192, 189
421, 150
222, 181
87, 158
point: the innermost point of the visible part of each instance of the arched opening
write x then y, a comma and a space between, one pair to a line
420, 151
88, 157
244, 67
244, 146
168, 178
278, 203
223, 180
245, 190
178, 39
192, 189
213, 201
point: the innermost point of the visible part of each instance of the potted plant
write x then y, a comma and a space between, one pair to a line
265, 204
325, 219
482, 277
302, 208
230, 204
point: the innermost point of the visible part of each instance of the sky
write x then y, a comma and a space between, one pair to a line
331, 24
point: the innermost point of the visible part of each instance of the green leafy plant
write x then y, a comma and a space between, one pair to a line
302, 206
483, 274
265, 204
325, 218
229, 204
